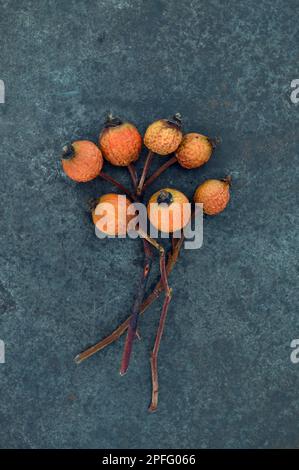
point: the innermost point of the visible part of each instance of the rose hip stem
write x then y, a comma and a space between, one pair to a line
121, 329
154, 355
111, 180
133, 323
159, 171
145, 170
133, 174
168, 295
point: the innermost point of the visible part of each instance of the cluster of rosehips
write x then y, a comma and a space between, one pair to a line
120, 143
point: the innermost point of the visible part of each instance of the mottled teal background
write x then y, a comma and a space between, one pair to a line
225, 371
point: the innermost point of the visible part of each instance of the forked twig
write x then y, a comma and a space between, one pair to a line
133, 323
154, 356
121, 329
168, 295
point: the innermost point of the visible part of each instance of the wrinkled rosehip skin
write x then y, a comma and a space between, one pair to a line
194, 150
162, 137
214, 195
169, 218
115, 222
121, 145
86, 163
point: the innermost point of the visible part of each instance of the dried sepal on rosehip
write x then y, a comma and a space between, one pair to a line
110, 214
214, 195
194, 150
82, 160
169, 210
120, 142
164, 136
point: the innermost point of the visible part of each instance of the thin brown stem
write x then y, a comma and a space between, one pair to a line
154, 356
155, 352
133, 323
150, 240
121, 329
118, 185
138, 335
133, 327
159, 171
133, 174
145, 170
168, 295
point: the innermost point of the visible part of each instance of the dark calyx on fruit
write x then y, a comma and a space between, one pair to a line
92, 204
112, 121
228, 179
176, 120
214, 141
165, 197
68, 152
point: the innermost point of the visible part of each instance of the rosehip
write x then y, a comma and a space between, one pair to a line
169, 210
214, 195
194, 150
164, 136
82, 160
110, 214
120, 142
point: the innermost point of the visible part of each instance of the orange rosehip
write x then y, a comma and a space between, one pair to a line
194, 150
82, 160
169, 210
214, 195
110, 214
164, 136
120, 142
